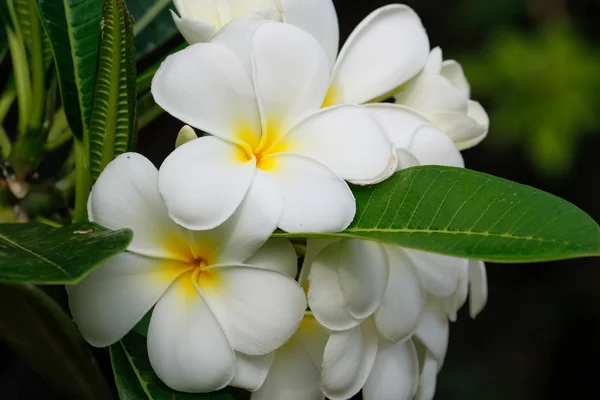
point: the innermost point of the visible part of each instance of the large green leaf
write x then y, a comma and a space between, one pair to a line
39, 332
40, 254
469, 214
73, 27
136, 380
153, 24
113, 114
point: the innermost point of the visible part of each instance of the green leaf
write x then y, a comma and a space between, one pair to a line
468, 214
73, 27
153, 24
40, 254
41, 334
135, 379
112, 127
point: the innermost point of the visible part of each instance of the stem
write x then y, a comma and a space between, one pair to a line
82, 181
5, 144
150, 15
61, 139
37, 69
8, 97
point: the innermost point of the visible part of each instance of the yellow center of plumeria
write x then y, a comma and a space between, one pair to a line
331, 97
271, 142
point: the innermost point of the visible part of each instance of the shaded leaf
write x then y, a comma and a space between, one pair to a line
112, 126
41, 334
153, 24
73, 27
135, 379
469, 214
40, 254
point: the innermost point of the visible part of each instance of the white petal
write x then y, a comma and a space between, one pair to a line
237, 35
434, 329
434, 63
474, 130
251, 371
293, 376
433, 93
182, 84
432, 147
458, 298
291, 76
278, 255
204, 181
316, 200
478, 293
406, 159
455, 74
187, 348
440, 275
205, 9
317, 17
194, 30
428, 380
126, 196
385, 50
313, 248
348, 360
395, 373
363, 271
325, 297
400, 122
242, 234
398, 316
347, 139
259, 309
114, 297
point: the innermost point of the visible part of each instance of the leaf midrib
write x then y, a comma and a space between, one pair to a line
143, 383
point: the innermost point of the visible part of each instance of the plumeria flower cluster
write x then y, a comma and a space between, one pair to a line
286, 123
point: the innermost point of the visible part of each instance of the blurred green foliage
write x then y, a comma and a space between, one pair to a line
542, 90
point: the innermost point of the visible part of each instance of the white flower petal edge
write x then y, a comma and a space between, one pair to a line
395, 372
278, 255
123, 197
440, 275
317, 17
251, 371
259, 309
187, 348
204, 181
386, 49
193, 30
348, 360
478, 287
428, 378
433, 330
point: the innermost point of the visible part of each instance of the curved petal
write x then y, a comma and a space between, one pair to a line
114, 297
406, 159
440, 275
317, 17
348, 360
259, 309
187, 348
398, 316
194, 30
237, 36
347, 139
204, 181
325, 297
400, 122
458, 298
385, 50
126, 196
452, 71
242, 234
474, 130
395, 373
433, 330
363, 274
478, 293
433, 93
316, 200
278, 255
432, 147
181, 84
434, 63
313, 248
205, 9
291, 77
428, 379
251, 371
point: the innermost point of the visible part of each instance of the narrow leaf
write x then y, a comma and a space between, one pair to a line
135, 379
39, 254
153, 24
41, 334
469, 214
73, 27
113, 113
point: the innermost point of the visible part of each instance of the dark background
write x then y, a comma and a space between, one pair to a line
535, 66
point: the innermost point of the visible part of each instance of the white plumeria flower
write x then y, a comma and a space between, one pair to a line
270, 127
221, 306
442, 94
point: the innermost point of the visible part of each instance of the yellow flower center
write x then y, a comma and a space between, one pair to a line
271, 142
